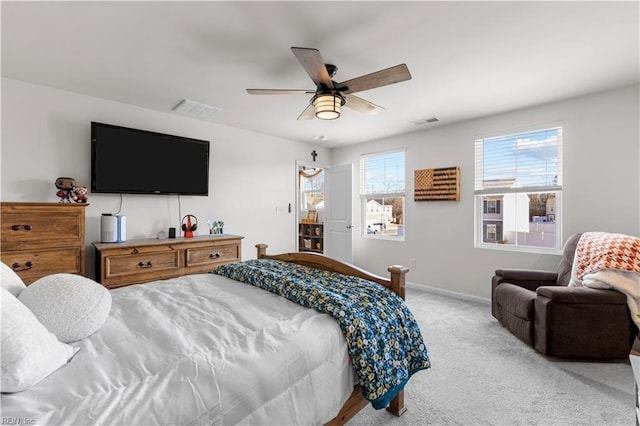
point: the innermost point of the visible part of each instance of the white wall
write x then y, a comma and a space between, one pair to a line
601, 190
46, 134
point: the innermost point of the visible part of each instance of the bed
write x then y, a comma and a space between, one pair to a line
206, 349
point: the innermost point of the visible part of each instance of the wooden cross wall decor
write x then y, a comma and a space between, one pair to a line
437, 184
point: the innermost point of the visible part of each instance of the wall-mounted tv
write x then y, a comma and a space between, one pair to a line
132, 161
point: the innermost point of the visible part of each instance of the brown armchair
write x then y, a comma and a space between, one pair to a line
569, 322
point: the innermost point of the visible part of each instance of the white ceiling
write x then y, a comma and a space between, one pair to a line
467, 59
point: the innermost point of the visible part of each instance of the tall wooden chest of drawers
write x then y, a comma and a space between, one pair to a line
39, 239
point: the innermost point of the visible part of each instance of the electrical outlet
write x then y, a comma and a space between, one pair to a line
279, 210
412, 262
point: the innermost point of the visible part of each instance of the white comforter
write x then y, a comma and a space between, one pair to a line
201, 349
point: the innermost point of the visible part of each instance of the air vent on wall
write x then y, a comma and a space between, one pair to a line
426, 121
196, 109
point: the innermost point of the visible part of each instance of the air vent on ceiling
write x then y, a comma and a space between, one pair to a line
196, 109
426, 121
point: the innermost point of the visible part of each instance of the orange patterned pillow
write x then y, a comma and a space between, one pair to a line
598, 251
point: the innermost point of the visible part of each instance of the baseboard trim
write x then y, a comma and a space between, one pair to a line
448, 293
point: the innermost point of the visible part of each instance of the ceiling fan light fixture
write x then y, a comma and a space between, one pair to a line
327, 106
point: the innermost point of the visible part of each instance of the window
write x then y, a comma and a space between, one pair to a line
491, 206
382, 178
311, 189
492, 230
518, 187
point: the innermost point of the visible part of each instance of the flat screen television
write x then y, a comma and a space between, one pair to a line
132, 161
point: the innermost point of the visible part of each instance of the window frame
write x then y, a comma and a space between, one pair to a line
481, 191
365, 197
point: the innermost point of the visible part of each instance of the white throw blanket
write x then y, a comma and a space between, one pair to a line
609, 261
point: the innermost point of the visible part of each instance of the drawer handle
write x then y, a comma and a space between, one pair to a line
149, 264
17, 267
19, 227
214, 255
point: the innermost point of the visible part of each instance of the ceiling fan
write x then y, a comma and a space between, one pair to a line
329, 96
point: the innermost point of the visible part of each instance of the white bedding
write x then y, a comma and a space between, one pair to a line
200, 349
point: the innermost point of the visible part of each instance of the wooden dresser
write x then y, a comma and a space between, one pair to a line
39, 239
138, 261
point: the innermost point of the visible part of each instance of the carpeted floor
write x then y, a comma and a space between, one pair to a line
483, 375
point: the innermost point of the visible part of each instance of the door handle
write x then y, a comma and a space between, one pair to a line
349, 226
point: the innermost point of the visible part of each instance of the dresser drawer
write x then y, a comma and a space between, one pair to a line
22, 229
33, 264
125, 269
205, 256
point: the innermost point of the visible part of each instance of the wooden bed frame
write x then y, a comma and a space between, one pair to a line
396, 283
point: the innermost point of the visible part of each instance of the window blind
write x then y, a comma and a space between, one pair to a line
529, 161
382, 174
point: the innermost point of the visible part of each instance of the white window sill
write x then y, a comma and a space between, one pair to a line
383, 237
520, 249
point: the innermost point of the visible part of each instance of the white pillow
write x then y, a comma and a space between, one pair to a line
29, 352
11, 281
71, 306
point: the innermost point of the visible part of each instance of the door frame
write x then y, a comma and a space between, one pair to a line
299, 164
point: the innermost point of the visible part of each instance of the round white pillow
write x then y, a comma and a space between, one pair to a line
10, 281
70, 306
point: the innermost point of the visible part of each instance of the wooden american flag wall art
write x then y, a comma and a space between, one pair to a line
437, 184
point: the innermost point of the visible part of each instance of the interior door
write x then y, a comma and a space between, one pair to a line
338, 223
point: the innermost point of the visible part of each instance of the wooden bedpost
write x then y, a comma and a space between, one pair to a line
262, 250
398, 273
396, 406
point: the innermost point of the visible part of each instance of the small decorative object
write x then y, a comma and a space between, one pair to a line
312, 216
318, 245
65, 187
317, 231
307, 243
80, 194
437, 184
314, 154
216, 227
68, 190
189, 226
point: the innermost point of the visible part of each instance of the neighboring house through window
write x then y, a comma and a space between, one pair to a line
518, 187
382, 191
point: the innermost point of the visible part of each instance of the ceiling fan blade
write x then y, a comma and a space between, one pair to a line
376, 79
279, 92
308, 113
313, 63
361, 105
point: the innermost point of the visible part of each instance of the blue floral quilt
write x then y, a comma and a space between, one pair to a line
383, 337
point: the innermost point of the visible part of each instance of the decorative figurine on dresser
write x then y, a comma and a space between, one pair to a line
68, 190
80, 194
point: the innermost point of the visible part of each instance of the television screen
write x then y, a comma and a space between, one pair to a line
132, 161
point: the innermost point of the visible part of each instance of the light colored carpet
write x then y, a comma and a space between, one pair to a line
482, 375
